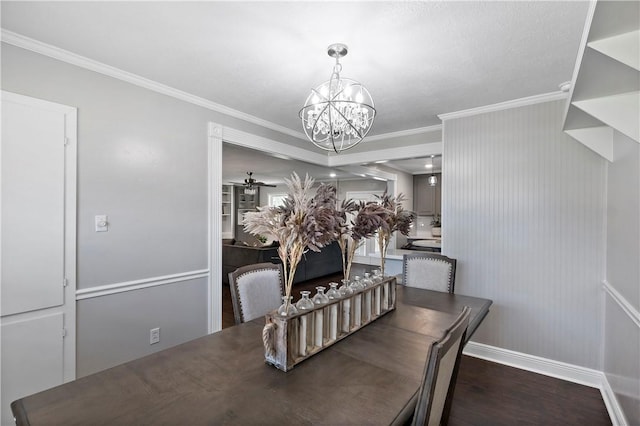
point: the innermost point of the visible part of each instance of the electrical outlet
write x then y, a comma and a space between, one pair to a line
154, 335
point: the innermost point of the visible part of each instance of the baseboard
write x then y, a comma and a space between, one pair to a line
611, 402
557, 369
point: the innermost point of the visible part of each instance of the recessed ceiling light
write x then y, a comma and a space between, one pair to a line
428, 166
332, 175
381, 161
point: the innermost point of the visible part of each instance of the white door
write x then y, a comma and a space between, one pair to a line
37, 254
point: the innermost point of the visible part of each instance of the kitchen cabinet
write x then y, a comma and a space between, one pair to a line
426, 198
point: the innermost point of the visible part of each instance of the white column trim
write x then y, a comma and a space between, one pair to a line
214, 293
109, 289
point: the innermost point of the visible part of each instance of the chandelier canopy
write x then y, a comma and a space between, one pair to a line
339, 113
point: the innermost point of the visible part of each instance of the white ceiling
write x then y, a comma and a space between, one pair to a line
418, 59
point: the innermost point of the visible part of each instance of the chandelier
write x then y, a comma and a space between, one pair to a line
339, 113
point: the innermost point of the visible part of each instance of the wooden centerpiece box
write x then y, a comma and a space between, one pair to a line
290, 340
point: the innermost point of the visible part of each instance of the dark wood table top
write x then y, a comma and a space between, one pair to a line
369, 377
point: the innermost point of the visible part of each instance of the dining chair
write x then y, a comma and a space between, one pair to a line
440, 374
255, 290
430, 271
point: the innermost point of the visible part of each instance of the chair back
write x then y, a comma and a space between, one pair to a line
255, 290
440, 373
430, 271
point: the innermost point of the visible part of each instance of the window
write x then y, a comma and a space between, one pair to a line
276, 200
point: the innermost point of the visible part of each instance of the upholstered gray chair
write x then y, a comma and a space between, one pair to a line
430, 271
255, 290
440, 373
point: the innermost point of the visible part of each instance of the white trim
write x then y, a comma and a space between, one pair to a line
45, 49
54, 52
214, 292
396, 153
580, 57
109, 289
70, 245
561, 370
35, 102
557, 369
611, 402
363, 171
628, 309
515, 103
282, 150
404, 133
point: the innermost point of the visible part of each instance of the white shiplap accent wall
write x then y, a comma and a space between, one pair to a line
523, 212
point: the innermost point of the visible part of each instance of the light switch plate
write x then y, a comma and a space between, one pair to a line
102, 225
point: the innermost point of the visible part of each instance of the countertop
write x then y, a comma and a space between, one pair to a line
394, 254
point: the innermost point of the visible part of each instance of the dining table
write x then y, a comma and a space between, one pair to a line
370, 377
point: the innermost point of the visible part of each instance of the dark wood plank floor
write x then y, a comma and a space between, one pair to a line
497, 395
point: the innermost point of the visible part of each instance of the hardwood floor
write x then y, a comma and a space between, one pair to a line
494, 394
497, 395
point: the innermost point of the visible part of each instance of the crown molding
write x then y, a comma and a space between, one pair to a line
515, 103
396, 153
408, 132
54, 52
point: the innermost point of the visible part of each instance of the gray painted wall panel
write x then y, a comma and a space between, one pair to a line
623, 219
142, 160
523, 212
622, 334
622, 360
124, 320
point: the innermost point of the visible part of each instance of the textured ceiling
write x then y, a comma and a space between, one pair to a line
418, 59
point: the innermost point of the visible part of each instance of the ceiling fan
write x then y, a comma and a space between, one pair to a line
250, 184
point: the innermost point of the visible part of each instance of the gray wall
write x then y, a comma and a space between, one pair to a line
621, 331
142, 160
523, 208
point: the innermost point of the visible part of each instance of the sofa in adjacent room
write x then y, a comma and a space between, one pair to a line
312, 265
